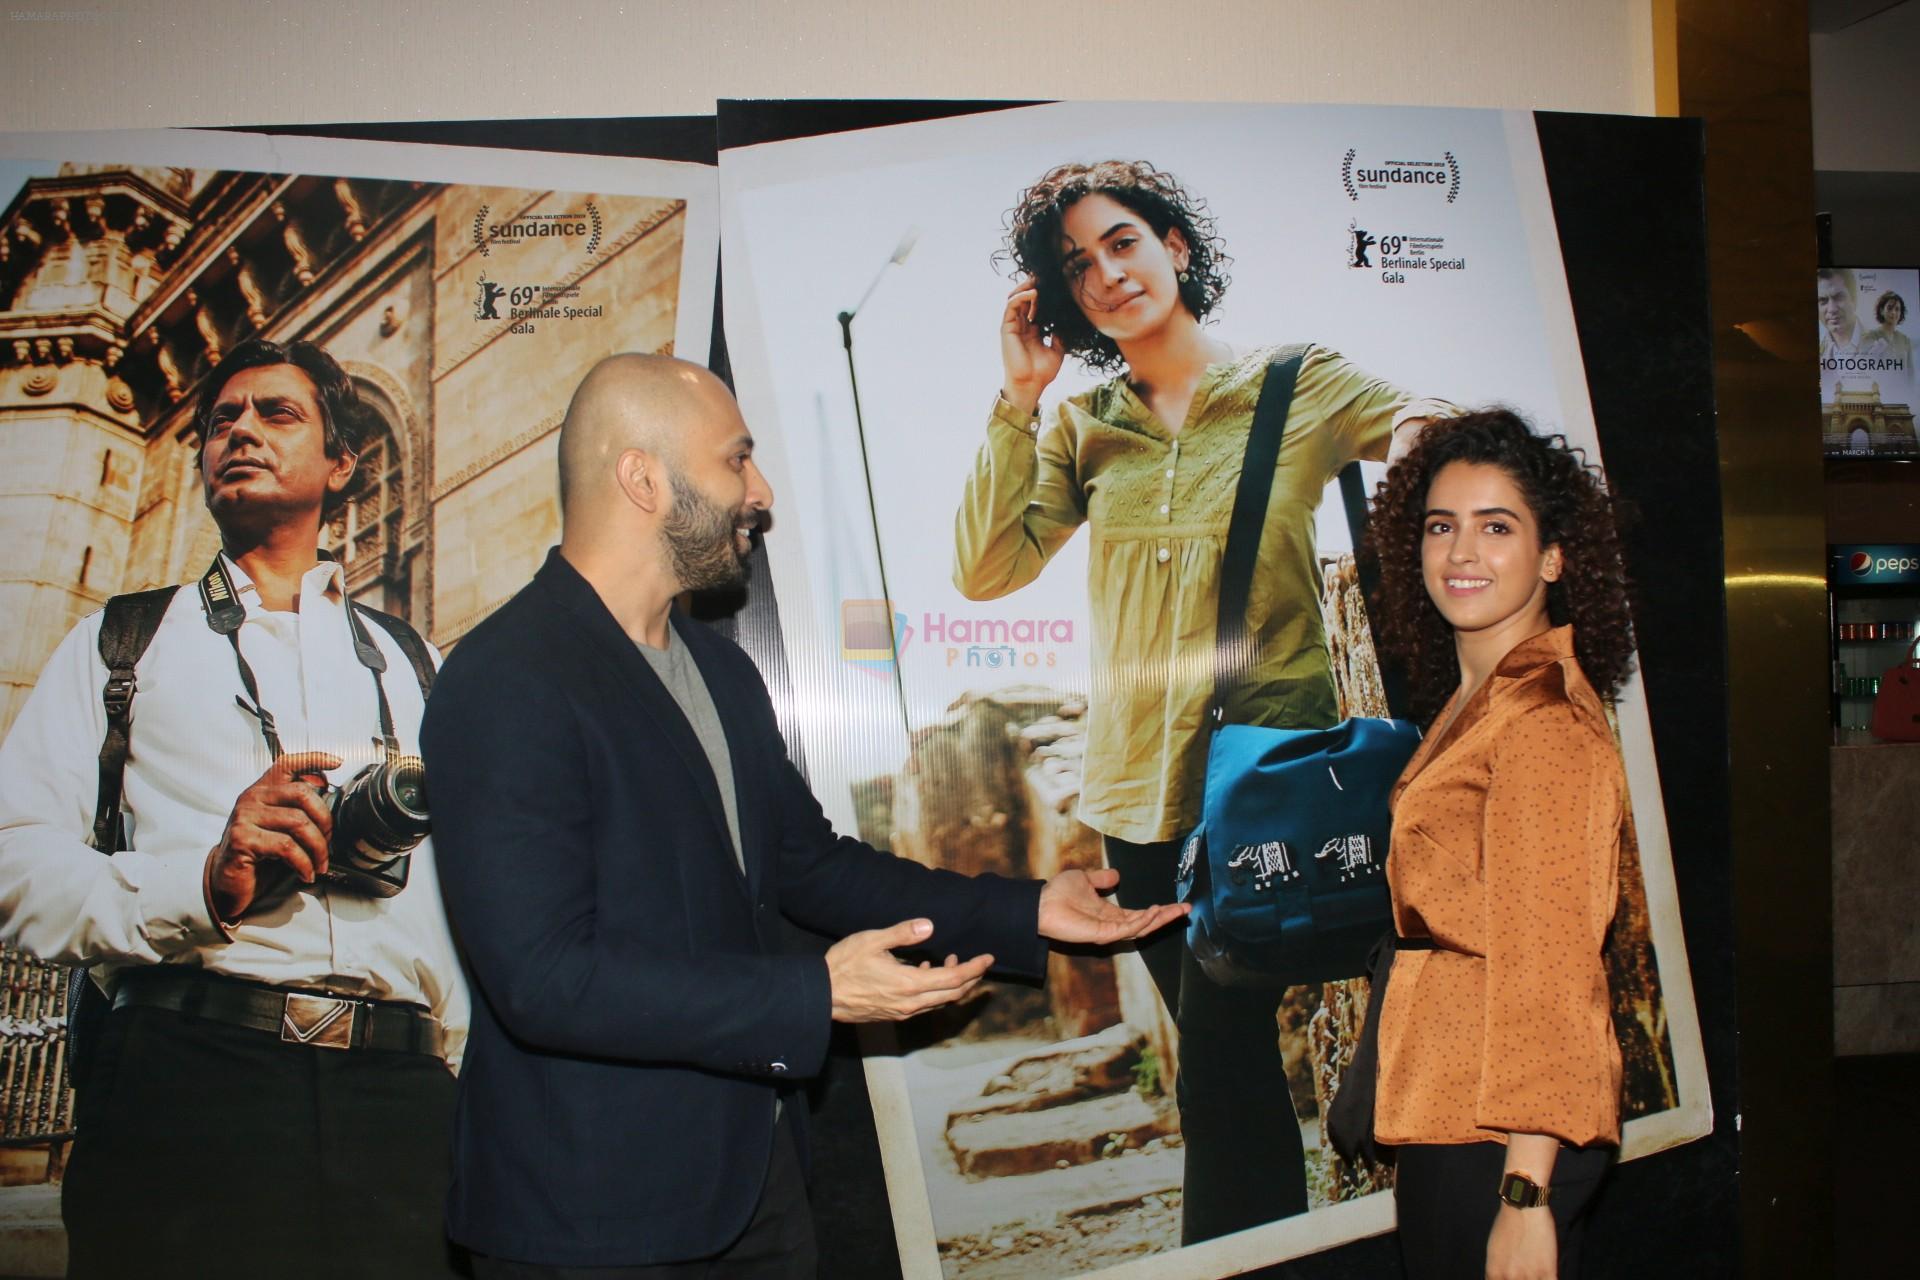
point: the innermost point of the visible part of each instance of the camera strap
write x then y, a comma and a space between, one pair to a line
225, 613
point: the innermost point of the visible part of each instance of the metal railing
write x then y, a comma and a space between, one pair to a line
36, 1106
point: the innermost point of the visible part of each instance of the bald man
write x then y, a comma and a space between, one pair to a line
619, 831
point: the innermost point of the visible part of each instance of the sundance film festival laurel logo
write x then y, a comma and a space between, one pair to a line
1441, 177
583, 228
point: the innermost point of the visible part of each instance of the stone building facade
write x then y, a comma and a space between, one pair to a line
121, 287
1857, 420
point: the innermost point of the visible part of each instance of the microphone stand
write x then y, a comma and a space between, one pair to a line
845, 318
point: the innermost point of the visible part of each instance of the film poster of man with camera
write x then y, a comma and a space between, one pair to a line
267, 1086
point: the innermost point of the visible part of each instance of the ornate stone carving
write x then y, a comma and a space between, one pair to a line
119, 394
251, 293
350, 206
208, 327
40, 378
303, 268
168, 366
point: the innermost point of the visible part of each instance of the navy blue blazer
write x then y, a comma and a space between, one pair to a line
636, 1011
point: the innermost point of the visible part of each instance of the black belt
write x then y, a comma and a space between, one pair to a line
298, 1017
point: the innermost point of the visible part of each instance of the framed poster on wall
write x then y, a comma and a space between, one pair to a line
868, 273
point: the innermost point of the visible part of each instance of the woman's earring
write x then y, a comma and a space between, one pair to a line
1183, 277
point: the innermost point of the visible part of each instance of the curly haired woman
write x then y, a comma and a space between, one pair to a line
1502, 591
1118, 267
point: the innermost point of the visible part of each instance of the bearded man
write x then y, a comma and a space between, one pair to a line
623, 831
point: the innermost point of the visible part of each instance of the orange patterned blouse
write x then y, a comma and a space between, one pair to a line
1506, 851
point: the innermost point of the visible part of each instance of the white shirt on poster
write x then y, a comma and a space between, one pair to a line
193, 749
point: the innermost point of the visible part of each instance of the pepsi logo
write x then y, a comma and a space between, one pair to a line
1861, 562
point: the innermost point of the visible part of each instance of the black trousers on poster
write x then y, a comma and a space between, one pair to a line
1245, 1162
778, 1243
208, 1150
1446, 1198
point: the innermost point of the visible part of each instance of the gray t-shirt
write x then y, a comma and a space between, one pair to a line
678, 671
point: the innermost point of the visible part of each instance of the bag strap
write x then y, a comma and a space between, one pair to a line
125, 632
418, 655
1232, 647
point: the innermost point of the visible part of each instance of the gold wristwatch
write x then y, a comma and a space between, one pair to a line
1522, 1192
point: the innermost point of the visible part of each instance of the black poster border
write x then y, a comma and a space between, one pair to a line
1630, 208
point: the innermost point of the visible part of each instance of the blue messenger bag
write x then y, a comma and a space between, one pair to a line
1286, 873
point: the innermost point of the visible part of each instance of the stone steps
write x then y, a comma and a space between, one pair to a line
1064, 1107
995, 1145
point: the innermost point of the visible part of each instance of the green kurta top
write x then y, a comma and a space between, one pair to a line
1159, 504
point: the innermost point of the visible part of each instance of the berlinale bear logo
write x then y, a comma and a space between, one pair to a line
487, 306
1361, 243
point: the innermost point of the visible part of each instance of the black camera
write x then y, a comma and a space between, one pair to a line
378, 818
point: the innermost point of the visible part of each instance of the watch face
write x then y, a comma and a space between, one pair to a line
1522, 1192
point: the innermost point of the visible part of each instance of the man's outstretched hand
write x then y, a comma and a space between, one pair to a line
1073, 910
870, 985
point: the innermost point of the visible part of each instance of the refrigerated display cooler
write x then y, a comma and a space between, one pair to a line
1873, 612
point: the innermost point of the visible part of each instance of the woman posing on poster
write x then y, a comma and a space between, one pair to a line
1890, 309
1118, 267
1503, 593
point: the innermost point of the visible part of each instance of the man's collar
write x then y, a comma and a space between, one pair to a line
325, 579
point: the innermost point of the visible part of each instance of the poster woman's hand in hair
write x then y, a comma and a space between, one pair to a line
1032, 362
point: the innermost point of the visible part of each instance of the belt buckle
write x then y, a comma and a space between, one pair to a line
325, 1022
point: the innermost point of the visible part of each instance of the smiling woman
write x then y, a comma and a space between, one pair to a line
1564, 504
1485, 566
1502, 589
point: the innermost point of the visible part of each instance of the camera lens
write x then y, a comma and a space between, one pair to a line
378, 818
386, 806
405, 793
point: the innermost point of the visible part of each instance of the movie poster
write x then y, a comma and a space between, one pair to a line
1035, 1134
1867, 380
465, 291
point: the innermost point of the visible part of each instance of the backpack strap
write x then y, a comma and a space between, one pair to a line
418, 655
125, 633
